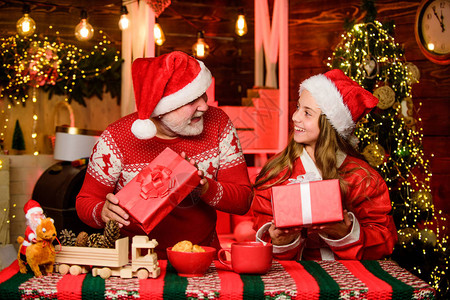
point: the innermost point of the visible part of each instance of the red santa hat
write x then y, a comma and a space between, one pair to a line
32, 206
341, 99
165, 83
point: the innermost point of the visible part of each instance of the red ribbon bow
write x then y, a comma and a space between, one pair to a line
155, 183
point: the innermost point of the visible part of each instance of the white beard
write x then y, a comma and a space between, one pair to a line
184, 127
33, 224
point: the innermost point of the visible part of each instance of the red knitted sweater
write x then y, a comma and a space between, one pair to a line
118, 156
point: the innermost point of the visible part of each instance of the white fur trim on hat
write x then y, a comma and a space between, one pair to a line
189, 93
143, 129
330, 102
33, 210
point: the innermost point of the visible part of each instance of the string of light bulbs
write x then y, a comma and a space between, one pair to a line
26, 25
84, 31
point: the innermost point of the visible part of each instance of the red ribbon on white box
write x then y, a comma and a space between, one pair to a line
305, 195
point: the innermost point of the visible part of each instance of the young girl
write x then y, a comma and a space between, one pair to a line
321, 148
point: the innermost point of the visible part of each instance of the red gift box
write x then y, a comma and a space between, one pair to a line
304, 204
158, 188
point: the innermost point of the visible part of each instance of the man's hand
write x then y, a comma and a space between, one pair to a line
203, 181
112, 211
284, 236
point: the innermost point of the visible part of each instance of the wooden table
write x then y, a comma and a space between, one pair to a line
286, 280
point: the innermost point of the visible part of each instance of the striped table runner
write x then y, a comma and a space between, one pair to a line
285, 280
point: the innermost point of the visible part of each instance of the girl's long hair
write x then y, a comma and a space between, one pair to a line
328, 142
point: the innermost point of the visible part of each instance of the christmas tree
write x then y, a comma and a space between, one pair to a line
390, 138
18, 142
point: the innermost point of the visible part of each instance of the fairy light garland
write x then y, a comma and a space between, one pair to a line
31, 63
371, 57
58, 68
34, 122
4, 126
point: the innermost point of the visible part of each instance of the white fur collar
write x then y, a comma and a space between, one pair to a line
312, 173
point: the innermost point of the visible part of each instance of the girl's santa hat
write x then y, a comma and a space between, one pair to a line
341, 99
165, 83
32, 206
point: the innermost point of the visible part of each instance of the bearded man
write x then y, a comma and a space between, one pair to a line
172, 111
33, 213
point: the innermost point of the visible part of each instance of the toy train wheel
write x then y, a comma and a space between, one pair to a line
75, 270
63, 269
142, 274
105, 273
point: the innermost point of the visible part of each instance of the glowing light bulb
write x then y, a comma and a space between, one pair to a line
158, 35
84, 31
200, 48
241, 25
124, 22
26, 25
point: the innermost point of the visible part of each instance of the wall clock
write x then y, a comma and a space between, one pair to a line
432, 30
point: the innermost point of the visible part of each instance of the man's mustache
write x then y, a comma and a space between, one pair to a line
198, 114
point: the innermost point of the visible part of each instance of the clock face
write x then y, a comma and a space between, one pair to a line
433, 29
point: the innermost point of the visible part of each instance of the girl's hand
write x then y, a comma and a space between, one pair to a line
284, 236
336, 230
203, 181
112, 211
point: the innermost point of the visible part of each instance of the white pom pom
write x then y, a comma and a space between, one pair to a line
143, 129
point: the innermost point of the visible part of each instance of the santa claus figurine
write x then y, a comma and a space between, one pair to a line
33, 213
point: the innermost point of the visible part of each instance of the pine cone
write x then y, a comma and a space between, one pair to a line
82, 239
67, 237
111, 234
93, 240
101, 242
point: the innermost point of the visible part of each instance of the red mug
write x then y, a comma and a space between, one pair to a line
248, 257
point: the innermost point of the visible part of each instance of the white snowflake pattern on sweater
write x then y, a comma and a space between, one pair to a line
108, 167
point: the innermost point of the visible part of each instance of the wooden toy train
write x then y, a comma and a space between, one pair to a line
106, 262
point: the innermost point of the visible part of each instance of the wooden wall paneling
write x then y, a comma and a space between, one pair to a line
440, 191
438, 146
64, 16
434, 113
434, 81
230, 56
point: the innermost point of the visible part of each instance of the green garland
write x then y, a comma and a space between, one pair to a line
57, 68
